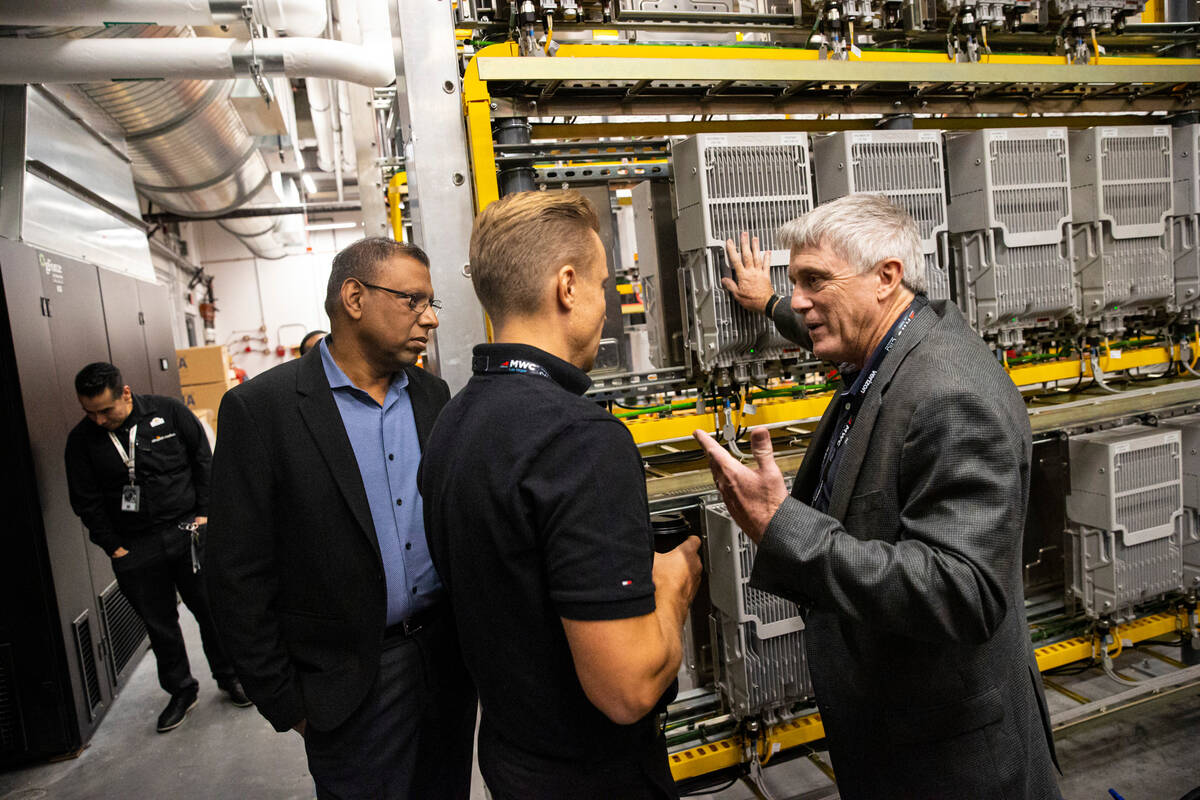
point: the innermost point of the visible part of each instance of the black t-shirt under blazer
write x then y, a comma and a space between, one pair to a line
535, 510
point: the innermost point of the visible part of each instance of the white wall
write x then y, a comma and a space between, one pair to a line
284, 297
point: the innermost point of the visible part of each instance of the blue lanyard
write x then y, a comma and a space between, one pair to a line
853, 397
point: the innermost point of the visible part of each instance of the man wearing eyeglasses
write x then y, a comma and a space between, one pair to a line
322, 585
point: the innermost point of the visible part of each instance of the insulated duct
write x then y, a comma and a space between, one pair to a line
287, 17
189, 149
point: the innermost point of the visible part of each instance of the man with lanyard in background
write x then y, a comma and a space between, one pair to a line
138, 473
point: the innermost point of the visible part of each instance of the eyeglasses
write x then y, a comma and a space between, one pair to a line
417, 303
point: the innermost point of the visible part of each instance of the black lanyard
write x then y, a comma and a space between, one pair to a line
482, 365
852, 399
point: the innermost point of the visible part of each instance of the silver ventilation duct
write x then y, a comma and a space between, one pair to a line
190, 151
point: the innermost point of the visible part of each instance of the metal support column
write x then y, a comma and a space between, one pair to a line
439, 189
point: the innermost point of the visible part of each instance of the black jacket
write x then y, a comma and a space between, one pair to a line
172, 465
295, 578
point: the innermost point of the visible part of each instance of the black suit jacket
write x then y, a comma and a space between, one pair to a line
295, 578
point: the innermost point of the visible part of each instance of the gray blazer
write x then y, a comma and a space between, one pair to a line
916, 633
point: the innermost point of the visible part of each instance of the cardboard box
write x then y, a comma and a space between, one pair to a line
208, 421
207, 396
203, 365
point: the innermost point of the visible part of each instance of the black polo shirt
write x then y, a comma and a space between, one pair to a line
535, 510
172, 466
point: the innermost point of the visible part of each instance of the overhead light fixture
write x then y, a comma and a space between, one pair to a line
329, 226
310, 185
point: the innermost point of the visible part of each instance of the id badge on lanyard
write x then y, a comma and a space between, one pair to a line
131, 494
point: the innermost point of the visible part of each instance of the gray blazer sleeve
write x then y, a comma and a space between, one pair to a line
939, 578
789, 324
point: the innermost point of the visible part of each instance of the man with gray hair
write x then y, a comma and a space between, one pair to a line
901, 536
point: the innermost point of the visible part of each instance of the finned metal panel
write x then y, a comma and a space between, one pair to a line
1108, 577
726, 184
1115, 277
1185, 251
86, 653
1185, 169
729, 183
1185, 224
1007, 289
123, 629
1189, 428
1128, 480
1122, 176
1010, 205
904, 166
761, 666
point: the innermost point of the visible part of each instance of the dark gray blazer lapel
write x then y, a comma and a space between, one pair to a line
320, 413
864, 425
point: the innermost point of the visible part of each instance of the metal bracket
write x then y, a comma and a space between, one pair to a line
256, 69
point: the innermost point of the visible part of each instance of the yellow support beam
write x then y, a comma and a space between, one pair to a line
726, 753
680, 425
649, 428
705, 759
397, 190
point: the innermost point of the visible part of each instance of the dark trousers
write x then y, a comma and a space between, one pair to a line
156, 567
412, 735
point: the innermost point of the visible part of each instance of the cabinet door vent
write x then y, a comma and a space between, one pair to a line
122, 627
86, 651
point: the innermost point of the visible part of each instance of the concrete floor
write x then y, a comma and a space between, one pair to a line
1148, 752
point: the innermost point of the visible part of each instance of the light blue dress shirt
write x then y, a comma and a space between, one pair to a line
385, 445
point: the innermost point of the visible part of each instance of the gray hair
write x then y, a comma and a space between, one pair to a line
361, 261
862, 230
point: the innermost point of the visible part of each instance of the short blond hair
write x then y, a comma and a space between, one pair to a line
520, 240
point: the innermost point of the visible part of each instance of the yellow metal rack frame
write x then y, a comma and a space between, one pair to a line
734, 750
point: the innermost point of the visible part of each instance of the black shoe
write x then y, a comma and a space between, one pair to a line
237, 695
175, 712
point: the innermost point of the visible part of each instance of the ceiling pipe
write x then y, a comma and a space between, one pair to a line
320, 105
285, 17
84, 60
259, 211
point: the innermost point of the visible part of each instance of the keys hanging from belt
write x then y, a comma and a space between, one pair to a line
193, 531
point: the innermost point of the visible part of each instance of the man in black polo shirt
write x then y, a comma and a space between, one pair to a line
138, 474
537, 520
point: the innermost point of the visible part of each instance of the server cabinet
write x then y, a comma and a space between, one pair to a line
126, 342
155, 317
79, 336
66, 638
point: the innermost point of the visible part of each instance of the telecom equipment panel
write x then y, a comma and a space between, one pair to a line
904, 166
1010, 205
758, 639
1121, 197
1189, 428
1185, 221
726, 184
1125, 509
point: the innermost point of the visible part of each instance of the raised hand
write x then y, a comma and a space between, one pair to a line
751, 495
752, 270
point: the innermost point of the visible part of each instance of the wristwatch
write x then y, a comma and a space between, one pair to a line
770, 306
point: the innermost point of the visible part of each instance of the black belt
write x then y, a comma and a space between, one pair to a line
408, 627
